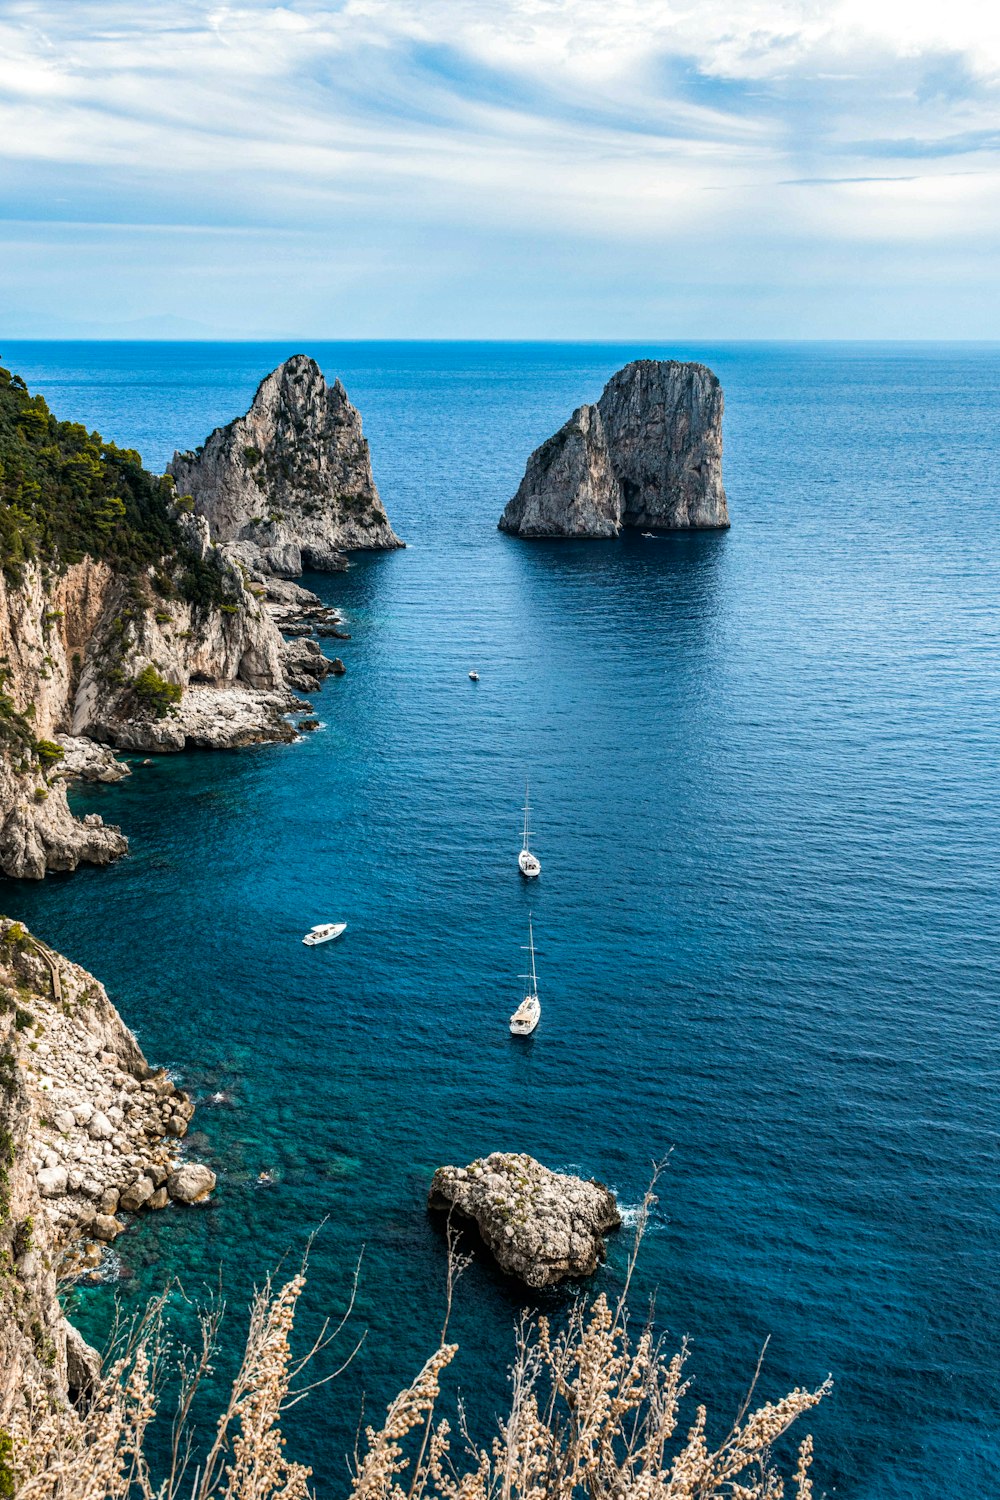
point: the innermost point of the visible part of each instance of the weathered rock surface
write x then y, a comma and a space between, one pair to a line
72, 1071
191, 1183
86, 760
76, 645
540, 1226
648, 454
289, 486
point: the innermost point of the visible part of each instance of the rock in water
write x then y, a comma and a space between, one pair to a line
540, 1226
647, 454
289, 486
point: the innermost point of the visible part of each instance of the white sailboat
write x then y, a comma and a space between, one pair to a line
529, 1012
324, 932
529, 864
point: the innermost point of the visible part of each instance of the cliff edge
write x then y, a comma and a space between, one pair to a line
648, 454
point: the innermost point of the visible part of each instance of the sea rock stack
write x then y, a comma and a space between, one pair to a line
289, 486
539, 1225
648, 454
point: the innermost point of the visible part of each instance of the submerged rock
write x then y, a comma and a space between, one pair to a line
289, 486
540, 1226
648, 454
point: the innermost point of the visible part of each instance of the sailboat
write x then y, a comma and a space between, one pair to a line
528, 864
529, 1012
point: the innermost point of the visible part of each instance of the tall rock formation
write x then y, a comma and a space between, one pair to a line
289, 486
648, 454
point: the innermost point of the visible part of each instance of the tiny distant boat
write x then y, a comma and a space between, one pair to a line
473, 676
650, 534
529, 864
324, 932
529, 1012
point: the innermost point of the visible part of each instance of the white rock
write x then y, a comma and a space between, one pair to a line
100, 1126
52, 1181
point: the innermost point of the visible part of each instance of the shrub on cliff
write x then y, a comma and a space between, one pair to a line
65, 494
154, 693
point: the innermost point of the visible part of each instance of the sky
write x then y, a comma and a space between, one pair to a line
551, 169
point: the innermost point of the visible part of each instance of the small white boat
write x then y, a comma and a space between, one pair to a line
324, 932
529, 1012
473, 676
529, 864
650, 534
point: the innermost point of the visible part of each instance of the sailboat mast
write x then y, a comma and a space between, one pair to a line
525, 845
531, 948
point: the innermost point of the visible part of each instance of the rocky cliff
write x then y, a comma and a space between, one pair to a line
289, 486
648, 454
89, 1134
120, 621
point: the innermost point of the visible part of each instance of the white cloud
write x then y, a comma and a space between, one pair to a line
644, 123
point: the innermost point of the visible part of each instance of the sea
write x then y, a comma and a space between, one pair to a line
766, 798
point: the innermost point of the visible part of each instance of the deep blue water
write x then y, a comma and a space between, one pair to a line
764, 769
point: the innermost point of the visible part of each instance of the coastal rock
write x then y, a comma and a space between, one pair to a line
648, 454
291, 477
85, 760
62, 1188
191, 1183
540, 1226
52, 1181
83, 1364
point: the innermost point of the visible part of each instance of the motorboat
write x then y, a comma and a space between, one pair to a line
324, 932
529, 1012
473, 676
529, 864
650, 534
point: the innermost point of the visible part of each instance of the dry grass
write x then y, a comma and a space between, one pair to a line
595, 1414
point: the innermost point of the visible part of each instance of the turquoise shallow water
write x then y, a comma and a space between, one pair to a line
764, 773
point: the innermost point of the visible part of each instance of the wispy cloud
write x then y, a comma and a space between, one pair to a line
465, 135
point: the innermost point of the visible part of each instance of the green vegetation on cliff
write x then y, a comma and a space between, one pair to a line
65, 494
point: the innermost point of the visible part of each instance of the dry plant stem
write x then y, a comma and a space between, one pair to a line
594, 1415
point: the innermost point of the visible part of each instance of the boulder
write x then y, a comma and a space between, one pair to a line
540, 1226
106, 1227
52, 1181
191, 1183
136, 1194
289, 485
648, 454
159, 1199
100, 1127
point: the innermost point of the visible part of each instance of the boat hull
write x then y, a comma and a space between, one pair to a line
525, 1018
529, 866
313, 939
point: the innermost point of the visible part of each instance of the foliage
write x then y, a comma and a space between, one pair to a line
594, 1415
66, 494
155, 693
49, 753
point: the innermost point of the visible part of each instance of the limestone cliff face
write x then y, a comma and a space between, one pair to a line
83, 1121
289, 486
648, 454
76, 645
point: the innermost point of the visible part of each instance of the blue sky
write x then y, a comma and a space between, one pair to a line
500, 169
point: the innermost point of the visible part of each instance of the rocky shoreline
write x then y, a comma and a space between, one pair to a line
90, 1134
